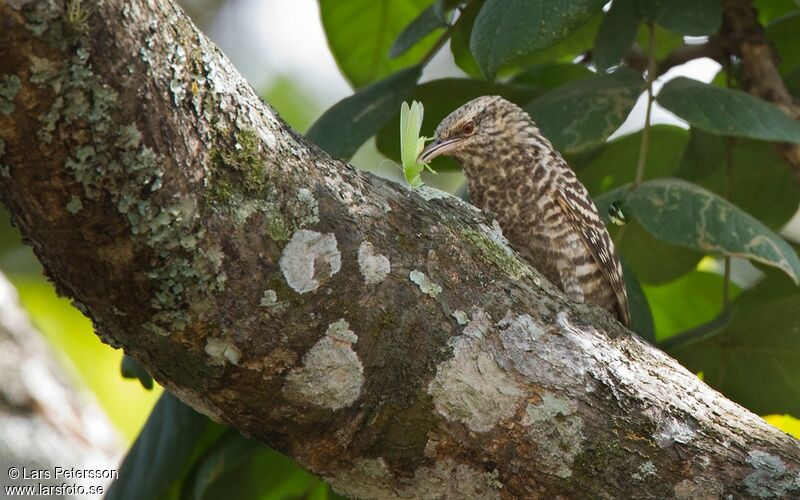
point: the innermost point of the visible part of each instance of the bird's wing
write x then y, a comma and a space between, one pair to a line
582, 214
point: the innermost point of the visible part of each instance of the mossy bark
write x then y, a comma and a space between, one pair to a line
221, 249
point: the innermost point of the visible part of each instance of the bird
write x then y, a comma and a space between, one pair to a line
544, 211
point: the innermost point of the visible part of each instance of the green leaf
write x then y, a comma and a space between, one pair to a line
343, 128
682, 213
441, 97
688, 302
361, 32
761, 184
666, 41
641, 317
616, 34
548, 76
130, 368
584, 113
263, 473
727, 112
227, 454
703, 154
756, 360
508, 30
686, 17
172, 436
770, 9
427, 22
459, 41
782, 32
411, 144
608, 172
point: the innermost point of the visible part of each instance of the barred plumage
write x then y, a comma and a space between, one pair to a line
542, 207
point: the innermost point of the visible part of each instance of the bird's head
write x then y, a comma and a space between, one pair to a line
476, 127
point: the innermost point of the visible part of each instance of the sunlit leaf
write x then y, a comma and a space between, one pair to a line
508, 30
756, 360
361, 32
727, 112
343, 128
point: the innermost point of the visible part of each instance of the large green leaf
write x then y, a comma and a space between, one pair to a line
584, 113
703, 154
686, 17
548, 76
508, 30
361, 32
682, 213
782, 32
241, 468
459, 41
760, 183
343, 128
441, 97
427, 22
756, 360
616, 34
688, 302
164, 450
727, 112
770, 9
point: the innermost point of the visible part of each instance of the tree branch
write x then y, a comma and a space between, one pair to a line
745, 38
386, 339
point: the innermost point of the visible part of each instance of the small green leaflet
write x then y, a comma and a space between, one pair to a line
411, 143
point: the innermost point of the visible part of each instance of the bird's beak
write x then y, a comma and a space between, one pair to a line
437, 148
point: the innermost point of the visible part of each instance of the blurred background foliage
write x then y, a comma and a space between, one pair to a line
710, 161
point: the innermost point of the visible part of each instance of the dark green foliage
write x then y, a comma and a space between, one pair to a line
756, 360
181, 454
342, 129
727, 112
506, 31
582, 114
616, 35
685, 17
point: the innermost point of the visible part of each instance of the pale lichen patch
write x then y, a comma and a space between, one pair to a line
427, 286
309, 259
671, 430
222, 350
270, 298
460, 317
9, 87
331, 375
645, 470
374, 267
555, 426
471, 387
74, 205
770, 477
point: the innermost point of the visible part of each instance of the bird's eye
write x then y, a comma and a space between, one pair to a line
468, 128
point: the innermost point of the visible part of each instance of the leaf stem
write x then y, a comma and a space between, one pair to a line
651, 76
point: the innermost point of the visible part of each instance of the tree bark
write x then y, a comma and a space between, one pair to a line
387, 339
